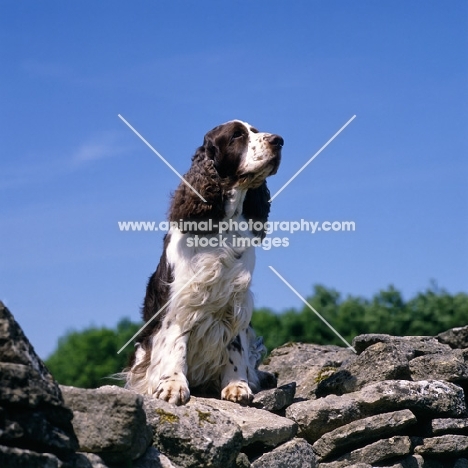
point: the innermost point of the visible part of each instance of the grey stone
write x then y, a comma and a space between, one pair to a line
32, 411
429, 398
16, 348
153, 458
79, 460
455, 338
379, 361
22, 457
413, 345
363, 431
11, 457
21, 384
305, 364
94, 460
413, 461
377, 452
448, 366
358, 465
275, 399
194, 435
449, 425
461, 463
296, 453
258, 427
24, 379
290, 354
308, 378
447, 445
45, 429
242, 461
109, 421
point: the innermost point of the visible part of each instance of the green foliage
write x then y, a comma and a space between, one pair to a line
88, 358
429, 313
85, 359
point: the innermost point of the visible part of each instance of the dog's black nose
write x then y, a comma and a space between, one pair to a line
275, 140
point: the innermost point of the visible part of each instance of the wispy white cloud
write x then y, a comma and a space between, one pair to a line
46, 165
102, 145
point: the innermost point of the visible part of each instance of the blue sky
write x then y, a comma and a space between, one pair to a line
70, 169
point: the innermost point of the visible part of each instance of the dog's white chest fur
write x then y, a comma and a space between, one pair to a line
212, 294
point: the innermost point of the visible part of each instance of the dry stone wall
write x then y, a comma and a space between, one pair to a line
399, 402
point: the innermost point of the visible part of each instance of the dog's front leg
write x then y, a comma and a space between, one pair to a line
169, 356
235, 376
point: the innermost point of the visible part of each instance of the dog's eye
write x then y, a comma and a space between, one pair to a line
237, 134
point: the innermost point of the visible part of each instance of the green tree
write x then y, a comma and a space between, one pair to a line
88, 358
428, 313
435, 311
352, 317
268, 324
326, 302
387, 313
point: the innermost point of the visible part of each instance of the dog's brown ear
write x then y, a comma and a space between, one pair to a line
257, 206
186, 204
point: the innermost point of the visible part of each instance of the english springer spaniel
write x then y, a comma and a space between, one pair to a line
202, 339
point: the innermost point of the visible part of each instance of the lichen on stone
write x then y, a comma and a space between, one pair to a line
324, 373
204, 417
166, 417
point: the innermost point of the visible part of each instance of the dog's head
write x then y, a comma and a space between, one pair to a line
242, 155
234, 156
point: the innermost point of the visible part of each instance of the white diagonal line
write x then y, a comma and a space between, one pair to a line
160, 310
312, 158
160, 157
311, 308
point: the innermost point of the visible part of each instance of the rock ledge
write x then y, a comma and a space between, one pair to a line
400, 403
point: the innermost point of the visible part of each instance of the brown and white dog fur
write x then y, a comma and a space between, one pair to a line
203, 338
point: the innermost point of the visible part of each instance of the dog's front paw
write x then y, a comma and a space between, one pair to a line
173, 389
237, 392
